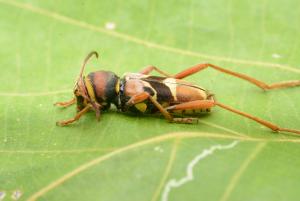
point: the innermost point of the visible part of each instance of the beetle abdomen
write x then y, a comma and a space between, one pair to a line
183, 91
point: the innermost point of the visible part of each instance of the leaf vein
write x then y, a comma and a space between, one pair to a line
236, 177
167, 170
161, 138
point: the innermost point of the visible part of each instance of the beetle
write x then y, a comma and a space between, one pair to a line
168, 94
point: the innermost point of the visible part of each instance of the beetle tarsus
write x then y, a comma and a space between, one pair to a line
187, 120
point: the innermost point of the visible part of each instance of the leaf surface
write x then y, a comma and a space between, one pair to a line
129, 157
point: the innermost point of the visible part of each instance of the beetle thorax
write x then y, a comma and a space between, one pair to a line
103, 87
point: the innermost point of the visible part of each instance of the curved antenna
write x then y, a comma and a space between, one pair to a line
82, 85
87, 58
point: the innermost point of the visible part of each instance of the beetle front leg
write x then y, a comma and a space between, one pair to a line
66, 104
77, 117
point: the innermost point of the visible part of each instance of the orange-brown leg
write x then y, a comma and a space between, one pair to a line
258, 120
144, 96
137, 98
77, 117
192, 105
169, 117
199, 67
205, 104
149, 69
66, 104
164, 112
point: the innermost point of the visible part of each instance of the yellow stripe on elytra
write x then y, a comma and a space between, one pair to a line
90, 89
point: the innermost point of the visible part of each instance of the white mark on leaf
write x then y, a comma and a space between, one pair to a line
173, 183
158, 149
276, 56
16, 195
110, 25
2, 195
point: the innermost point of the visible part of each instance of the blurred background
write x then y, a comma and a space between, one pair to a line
128, 157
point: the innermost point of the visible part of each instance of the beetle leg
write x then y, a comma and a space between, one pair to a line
194, 69
144, 96
77, 117
205, 104
164, 112
192, 105
66, 104
258, 120
199, 104
137, 98
149, 69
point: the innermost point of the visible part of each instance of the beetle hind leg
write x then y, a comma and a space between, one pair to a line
186, 120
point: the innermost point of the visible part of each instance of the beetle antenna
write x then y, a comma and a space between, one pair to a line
87, 58
80, 79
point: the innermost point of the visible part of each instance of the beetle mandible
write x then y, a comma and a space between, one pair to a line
144, 93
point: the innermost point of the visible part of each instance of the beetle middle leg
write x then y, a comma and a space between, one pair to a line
144, 96
66, 103
169, 117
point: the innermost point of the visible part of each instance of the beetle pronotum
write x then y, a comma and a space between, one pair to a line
168, 94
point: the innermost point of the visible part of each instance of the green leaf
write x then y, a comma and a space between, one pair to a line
128, 157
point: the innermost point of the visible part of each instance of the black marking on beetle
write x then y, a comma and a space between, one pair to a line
163, 92
110, 91
91, 76
149, 91
154, 78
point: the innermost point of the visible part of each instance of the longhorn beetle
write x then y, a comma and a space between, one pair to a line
144, 93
